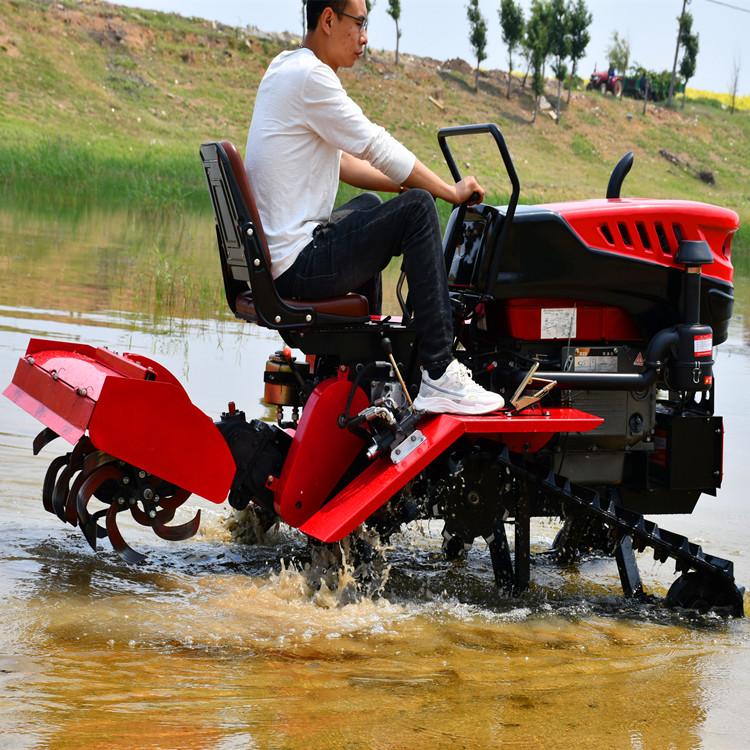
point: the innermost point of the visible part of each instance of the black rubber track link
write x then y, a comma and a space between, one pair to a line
716, 572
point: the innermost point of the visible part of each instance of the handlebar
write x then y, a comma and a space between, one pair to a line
494, 131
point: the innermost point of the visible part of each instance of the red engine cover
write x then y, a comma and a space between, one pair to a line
652, 229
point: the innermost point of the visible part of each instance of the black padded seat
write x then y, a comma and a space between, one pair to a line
246, 258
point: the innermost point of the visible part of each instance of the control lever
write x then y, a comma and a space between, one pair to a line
388, 349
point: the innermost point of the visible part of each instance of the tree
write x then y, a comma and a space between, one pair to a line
394, 11
511, 22
478, 35
304, 18
618, 53
690, 44
537, 81
559, 44
368, 4
537, 41
734, 82
580, 19
676, 52
526, 54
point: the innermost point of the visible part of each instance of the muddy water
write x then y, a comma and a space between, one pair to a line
214, 644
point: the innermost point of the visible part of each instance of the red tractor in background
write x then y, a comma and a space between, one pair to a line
606, 82
597, 319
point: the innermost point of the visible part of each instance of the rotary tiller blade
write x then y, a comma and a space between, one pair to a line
177, 533
157, 518
71, 501
62, 485
118, 543
88, 522
163, 514
46, 436
50, 480
175, 500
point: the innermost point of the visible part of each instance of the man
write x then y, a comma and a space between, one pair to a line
306, 135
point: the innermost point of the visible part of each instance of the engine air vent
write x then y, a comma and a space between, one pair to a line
643, 234
625, 234
604, 229
662, 235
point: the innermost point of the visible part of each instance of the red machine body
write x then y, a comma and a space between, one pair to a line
383, 479
652, 230
131, 407
595, 319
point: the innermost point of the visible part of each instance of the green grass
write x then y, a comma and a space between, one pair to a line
62, 172
92, 116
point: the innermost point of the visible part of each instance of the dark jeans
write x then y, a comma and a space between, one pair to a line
349, 252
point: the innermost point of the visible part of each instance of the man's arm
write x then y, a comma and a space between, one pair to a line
361, 174
423, 177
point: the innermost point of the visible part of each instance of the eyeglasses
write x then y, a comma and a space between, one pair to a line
360, 19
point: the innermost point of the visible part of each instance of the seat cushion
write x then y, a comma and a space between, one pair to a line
349, 306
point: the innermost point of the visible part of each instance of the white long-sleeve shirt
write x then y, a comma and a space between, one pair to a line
302, 121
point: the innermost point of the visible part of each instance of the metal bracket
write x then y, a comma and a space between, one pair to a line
407, 446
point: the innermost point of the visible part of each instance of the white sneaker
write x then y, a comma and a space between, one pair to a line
454, 392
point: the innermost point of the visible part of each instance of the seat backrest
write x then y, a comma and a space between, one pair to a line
245, 258
238, 170
231, 213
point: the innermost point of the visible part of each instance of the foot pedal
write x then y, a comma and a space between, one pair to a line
519, 402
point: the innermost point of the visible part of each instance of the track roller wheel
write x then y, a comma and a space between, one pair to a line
702, 593
454, 547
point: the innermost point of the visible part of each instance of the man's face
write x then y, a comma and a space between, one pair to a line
350, 38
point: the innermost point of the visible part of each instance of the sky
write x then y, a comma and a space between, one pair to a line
439, 29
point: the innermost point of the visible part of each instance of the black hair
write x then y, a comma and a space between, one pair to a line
315, 10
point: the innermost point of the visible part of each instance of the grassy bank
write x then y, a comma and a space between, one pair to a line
61, 171
110, 104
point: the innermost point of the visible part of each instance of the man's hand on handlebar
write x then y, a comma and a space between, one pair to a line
469, 191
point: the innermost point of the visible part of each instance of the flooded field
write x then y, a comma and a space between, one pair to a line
218, 645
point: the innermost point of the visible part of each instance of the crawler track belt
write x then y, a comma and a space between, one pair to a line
706, 582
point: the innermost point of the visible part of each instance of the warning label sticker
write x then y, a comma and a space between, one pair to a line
586, 361
558, 323
703, 345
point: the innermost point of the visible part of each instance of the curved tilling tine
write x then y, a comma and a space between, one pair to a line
45, 437
118, 543
157, 518
87, 489
163, 514
71, 502
95, 459
174, 501
62, 485
50, 480
177, 533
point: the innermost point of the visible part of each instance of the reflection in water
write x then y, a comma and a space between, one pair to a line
211, 644
95, 261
